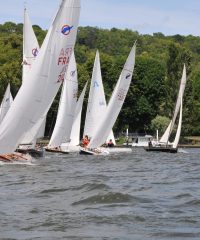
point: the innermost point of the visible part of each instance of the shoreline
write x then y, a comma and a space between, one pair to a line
189, 146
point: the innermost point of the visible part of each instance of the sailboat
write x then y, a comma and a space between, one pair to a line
113, 108
36, 96
66, 110
163, 144
96, 103
6, 103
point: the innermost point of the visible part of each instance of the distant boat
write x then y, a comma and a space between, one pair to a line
164, 145
36, 96
140, 141
66, 111
6, 103
96, 106
113, 108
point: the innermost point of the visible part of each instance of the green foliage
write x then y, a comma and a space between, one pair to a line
159, 123
154, 87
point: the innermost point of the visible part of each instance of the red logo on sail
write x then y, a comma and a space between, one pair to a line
66, 29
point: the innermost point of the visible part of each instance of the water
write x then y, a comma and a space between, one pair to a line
134, 196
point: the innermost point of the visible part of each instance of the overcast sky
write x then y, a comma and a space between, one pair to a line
145, 16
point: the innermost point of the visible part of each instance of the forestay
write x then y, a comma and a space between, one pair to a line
115, 103
36, 96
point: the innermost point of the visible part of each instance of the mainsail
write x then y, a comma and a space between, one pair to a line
96, 102
115, 103
30, 47
6, 103
36, 95
67, 105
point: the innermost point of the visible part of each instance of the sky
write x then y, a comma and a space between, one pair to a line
145, 16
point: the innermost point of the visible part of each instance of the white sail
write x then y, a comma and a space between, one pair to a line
75, 133
166, 135
67, 105
30, 52
178, 132
36, 95
180, 95
37, 131
96, 102
115, 103
6, 103
41, 131
30, 47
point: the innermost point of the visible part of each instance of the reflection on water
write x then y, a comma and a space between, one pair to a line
139, 195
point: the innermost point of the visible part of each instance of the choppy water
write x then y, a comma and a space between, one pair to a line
139, 196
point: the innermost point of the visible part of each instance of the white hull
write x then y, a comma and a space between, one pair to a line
67, 147
95, 151
104, 151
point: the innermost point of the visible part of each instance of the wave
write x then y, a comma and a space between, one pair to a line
54, 190
181, 150
96, 186
183, 195
110, 198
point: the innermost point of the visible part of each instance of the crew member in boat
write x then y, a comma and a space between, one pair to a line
110, 143
150, 143
85, 141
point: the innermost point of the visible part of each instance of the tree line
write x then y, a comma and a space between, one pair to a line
152, 95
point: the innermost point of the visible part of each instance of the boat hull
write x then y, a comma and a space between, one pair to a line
33, 152
161, 149
52, 150
86, 151
13, 157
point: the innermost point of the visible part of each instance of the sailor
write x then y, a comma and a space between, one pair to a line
110, 143
150, 143
85, 141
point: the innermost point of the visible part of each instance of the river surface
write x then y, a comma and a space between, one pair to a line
134, 196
